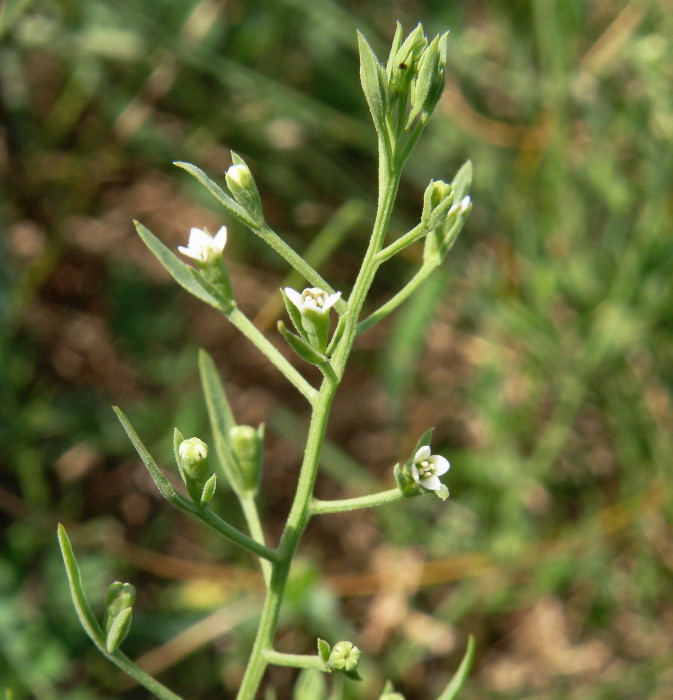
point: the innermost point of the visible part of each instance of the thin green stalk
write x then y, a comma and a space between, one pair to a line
296, 261
251, 513
412, 285
318, 507
277, 658
402, 242
251, 332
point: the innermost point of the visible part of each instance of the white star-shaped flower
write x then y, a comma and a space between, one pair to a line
427, 468
202, 246
312, 299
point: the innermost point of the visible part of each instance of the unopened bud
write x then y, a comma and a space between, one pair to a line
344, 657
119, 601
242, 186
247, 444
194, 456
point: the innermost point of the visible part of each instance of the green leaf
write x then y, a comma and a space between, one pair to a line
427, 70
372, 79
294, 314
185, 275
394, 47
208, 490
301, 347
451, 691
82, 608
462, 181
324, 650
162, 483
221, 420
235, 209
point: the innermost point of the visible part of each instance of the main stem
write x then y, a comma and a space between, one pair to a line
389, 177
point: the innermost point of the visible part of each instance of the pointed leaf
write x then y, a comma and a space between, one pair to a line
371, 80
324, 650
394, 48
208, 490
301, 347
162, 483
462, 181
82, 608
220, 195
185, 275
451, 691
221, 420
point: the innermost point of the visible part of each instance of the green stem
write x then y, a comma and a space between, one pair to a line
412, 285
318, 507
277, 658
296, 261
228, 531
389, 177
402, 242
254, 335
249, 506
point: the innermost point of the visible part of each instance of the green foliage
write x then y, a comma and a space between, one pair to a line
548, 363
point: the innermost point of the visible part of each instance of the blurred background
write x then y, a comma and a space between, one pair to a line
542, 351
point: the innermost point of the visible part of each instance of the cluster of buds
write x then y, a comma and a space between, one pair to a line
413, 78
119, 601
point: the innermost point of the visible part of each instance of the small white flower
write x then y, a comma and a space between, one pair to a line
427, 468
312, 299
204, 247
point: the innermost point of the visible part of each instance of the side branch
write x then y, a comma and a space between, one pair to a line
318, 507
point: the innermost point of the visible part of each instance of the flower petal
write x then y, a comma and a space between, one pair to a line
199, 238
423, 453
432, 483
441, 464
331, 300
220, 239
295, 297
415, 474
190, 253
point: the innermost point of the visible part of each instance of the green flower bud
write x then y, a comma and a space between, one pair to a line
344, 657
119, 596
247, 445
437, 201
194, 456
119, 601
242, 186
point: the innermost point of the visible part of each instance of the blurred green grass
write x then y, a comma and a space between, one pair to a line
545, 346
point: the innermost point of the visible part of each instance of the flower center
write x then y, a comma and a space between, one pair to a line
425, 469
316, 298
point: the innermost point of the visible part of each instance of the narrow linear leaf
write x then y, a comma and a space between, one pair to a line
462, 181
370, 77
220, 195
301, 347
221, 419
82, 608
451, 691
167, 491
182, 273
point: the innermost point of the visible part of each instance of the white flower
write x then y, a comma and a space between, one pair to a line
427, 468
204, 247
312, 299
